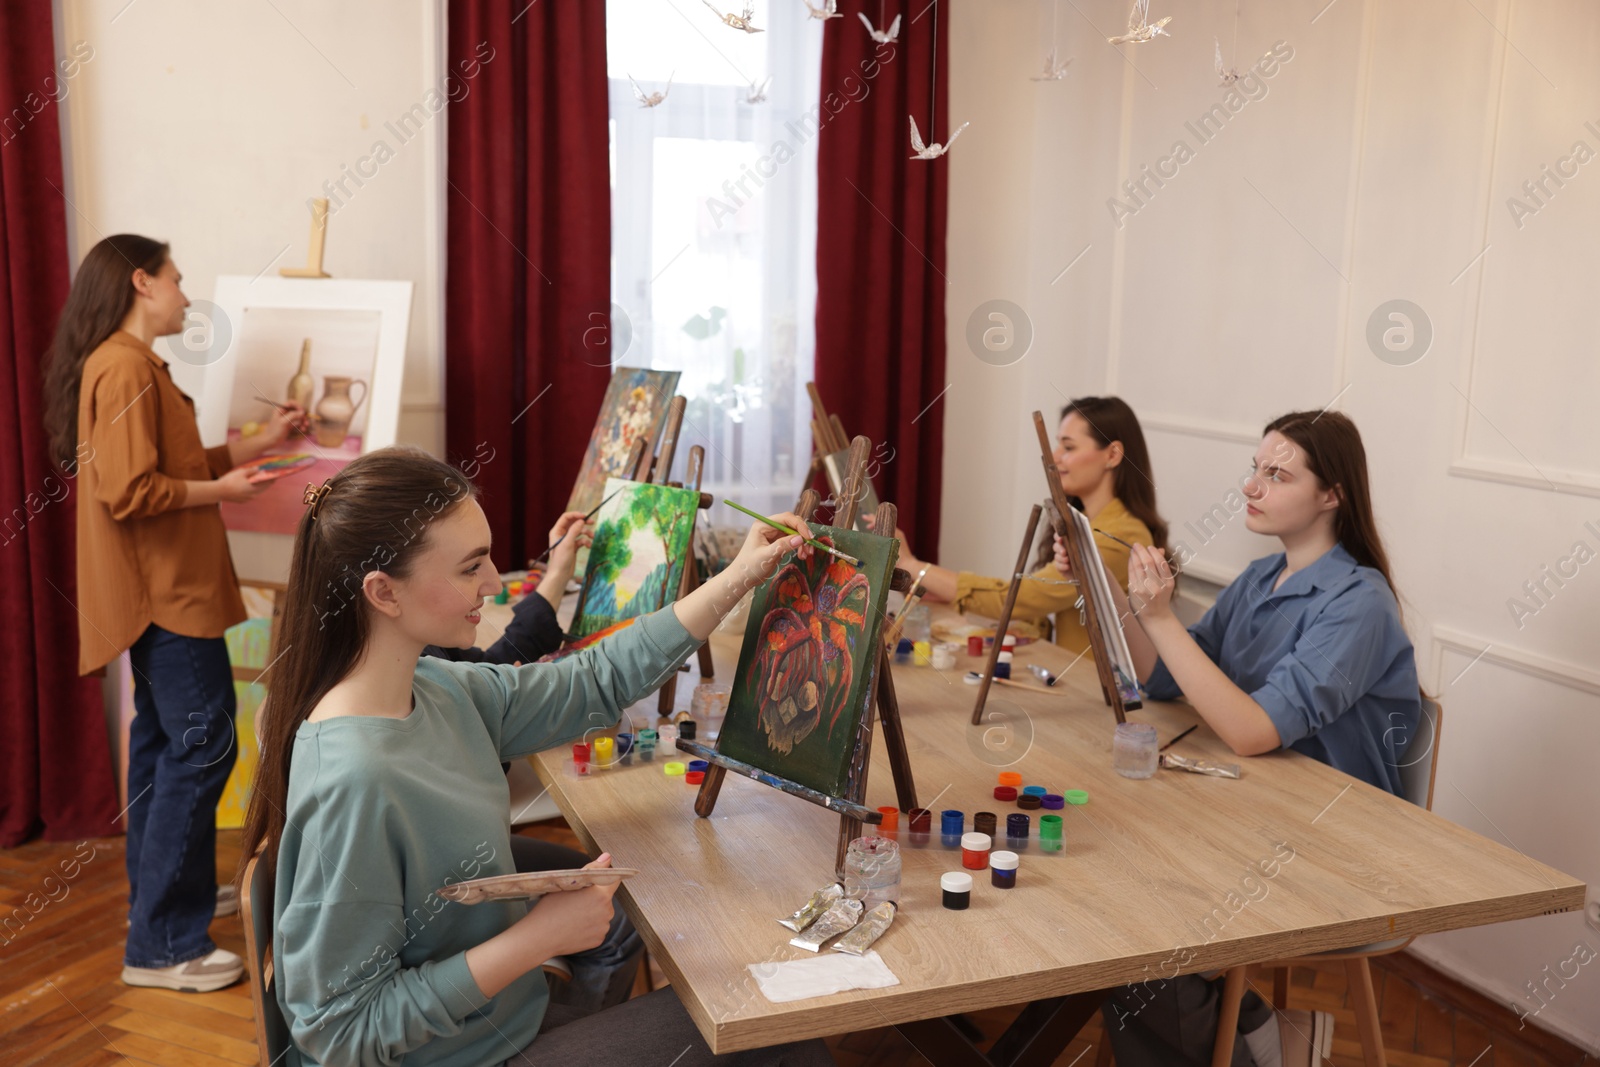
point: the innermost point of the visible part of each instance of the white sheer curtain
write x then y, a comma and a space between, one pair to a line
714, 215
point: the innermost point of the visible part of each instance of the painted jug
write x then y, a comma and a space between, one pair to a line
336, 409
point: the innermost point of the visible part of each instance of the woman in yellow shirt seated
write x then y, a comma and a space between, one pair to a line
1105, 470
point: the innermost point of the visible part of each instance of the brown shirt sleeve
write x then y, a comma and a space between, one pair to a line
220, 460
124, 434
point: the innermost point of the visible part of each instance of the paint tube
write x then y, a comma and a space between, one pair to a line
841, 915
812, 908
1199, 766
869, 929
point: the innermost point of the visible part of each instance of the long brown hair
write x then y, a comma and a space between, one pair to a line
374, 516
1109, 419
101, 297
1334, 453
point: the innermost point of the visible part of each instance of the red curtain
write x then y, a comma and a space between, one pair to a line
55, 759
880, 251
528, 256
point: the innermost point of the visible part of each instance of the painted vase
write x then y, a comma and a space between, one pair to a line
302, 384
336, 409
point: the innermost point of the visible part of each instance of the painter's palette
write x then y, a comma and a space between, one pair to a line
532, 884
271, 468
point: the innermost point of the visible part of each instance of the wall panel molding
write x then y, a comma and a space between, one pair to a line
1569, 675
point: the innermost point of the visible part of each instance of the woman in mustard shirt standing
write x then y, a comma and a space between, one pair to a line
1105, 470
155, 580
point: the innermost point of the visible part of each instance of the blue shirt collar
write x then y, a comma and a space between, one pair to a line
1328, 569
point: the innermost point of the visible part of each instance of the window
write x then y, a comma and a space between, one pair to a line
714, 232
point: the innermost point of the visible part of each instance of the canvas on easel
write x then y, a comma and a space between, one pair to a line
1108, 645
634, 409
637, 558
812, 671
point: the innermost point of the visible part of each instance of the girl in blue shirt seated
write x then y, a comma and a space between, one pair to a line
379, 783
1306, 650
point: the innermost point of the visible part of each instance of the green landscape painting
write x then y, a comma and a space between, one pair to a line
641, 543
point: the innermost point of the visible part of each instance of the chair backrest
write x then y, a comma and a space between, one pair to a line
273, 1039
1419, 763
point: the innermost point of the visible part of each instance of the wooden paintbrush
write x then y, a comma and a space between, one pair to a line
285, 407
809, 540
563, 537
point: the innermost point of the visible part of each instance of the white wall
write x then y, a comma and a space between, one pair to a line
209, 126
1376, 165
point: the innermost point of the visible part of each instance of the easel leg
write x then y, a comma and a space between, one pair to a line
1005, 615
894, 737
710, 786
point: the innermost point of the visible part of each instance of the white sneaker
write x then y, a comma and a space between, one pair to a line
221, 968
1292, 1039
1265, 1043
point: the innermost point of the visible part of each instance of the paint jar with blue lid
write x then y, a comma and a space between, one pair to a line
952, 824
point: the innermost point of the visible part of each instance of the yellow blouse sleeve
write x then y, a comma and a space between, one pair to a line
1038, 598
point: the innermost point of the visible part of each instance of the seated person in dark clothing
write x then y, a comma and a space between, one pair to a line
533, 631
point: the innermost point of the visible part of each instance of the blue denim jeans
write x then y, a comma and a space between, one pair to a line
181, 749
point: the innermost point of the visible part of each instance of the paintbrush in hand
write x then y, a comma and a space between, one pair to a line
285, 407
563, 537
813, 542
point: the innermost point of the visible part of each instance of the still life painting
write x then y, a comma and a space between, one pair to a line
808, 662
321, 360
641, 544
634, 408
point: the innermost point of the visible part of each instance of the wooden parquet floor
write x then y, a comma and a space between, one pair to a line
62, 1002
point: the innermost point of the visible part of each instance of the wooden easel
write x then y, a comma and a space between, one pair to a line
827, 434
1080, 550
853, 814
658, 471
1004, 621
319, 234
638, 468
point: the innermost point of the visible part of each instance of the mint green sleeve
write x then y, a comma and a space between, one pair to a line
350, 1002
541, 705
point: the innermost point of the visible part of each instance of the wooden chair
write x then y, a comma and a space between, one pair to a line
277, 1048
274, 591
1417, 776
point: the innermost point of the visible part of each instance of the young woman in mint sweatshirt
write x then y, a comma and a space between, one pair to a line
380, 782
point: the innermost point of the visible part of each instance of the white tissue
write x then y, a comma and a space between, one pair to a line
831, 972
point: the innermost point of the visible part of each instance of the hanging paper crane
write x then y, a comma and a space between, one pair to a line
738, 22
1225, 75
652, 99
932, 151
828, 10
758, 91
1140, 28
1053, 71
888, 36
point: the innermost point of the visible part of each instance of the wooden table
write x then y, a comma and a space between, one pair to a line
1155, 871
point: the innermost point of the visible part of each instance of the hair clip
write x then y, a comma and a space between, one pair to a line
315, 494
